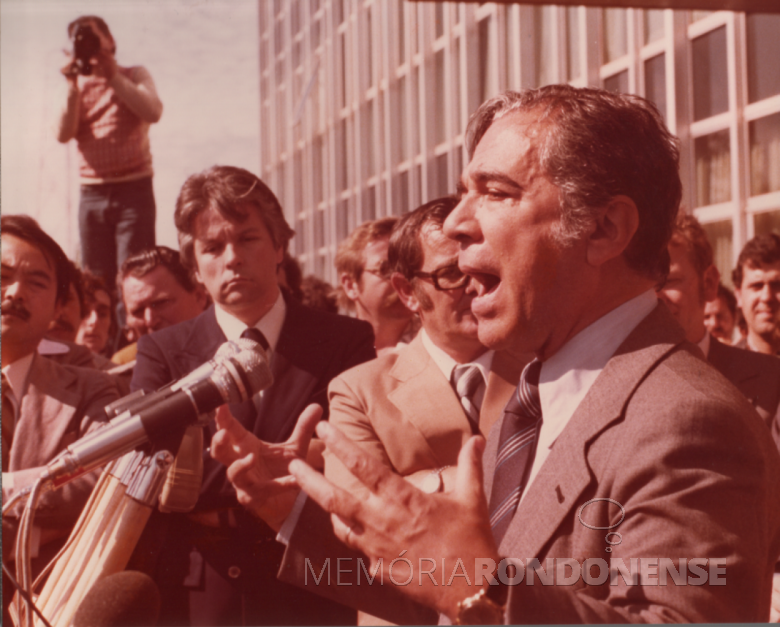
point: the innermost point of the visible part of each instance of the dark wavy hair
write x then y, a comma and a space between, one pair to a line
595, 145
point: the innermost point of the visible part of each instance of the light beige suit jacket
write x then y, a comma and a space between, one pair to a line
402, 410
61, 404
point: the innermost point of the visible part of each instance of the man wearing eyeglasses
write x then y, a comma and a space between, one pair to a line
414, 408
365, 289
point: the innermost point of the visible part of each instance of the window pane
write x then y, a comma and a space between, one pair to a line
713, 169
544, 53
341, 155
401, 34
615, 35
617, 83
342, 220
441, 175
319, 228
438, 97
401, 194
484, 59
438, 19
710, 75
765, 154
455, 74
573, 43
655, 82
765, 223
763, 52
721, 237
301, 240
654, 25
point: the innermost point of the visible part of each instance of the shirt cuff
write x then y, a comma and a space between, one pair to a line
288, 526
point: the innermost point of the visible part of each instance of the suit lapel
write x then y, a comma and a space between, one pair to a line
426, 399
46, 411
554, 493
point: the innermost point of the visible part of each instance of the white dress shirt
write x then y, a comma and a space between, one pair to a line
568, 375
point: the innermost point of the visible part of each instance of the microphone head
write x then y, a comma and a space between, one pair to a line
120, 600
245, 373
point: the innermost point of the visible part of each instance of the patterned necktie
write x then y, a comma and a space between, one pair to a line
8, 422
467, 379
516, 448
256, 335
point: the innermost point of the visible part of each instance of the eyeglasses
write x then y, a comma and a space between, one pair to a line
445, 278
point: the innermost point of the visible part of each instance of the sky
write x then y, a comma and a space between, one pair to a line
203, 57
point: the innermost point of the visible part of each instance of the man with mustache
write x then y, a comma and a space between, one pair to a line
46, 406
361, 263
622, 451
218, 564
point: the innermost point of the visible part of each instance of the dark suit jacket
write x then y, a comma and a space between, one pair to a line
665, 435
313, 348
756, 375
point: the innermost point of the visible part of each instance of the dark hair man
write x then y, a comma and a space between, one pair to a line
757, 288
100, 322
46, 406
693, 281
567, 208
158, 291
108, 110
233, 235
361, 263
720, 315
424, 383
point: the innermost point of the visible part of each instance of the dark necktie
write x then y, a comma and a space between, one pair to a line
256, 336
516, 449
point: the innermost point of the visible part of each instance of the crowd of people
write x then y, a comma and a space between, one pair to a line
553, 336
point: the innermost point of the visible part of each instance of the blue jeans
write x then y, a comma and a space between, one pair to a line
116, 220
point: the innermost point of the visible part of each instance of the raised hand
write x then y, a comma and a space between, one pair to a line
259, 470
398, 520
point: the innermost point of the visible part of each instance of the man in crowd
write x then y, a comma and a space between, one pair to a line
46, 406
414, 408
693, 281
60, 341
158, 292
567, 207
757, 288
218, 564
99, 324
361, 264
108, 110
720, 315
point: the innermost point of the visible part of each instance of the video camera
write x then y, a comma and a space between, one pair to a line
86, 45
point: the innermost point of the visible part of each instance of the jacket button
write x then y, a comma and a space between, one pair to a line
234, 572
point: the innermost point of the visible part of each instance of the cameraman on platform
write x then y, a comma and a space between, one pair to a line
108, 111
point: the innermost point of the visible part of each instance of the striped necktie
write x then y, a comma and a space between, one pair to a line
520, 427
467, 379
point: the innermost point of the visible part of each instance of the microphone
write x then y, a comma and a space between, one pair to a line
138, 400
124, 598
229, 379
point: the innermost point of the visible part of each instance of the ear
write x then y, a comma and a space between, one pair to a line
614, 226
350, 286
405, 291
710, 283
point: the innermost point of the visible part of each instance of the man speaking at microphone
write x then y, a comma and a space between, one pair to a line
218, 564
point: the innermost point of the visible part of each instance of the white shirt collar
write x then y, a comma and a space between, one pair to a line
568, 375
447, 364
270, 324
17, 373
52, 347
704, 345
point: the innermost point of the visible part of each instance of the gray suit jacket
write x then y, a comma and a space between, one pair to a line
665, 435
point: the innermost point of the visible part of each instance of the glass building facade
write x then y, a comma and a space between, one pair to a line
364, 103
